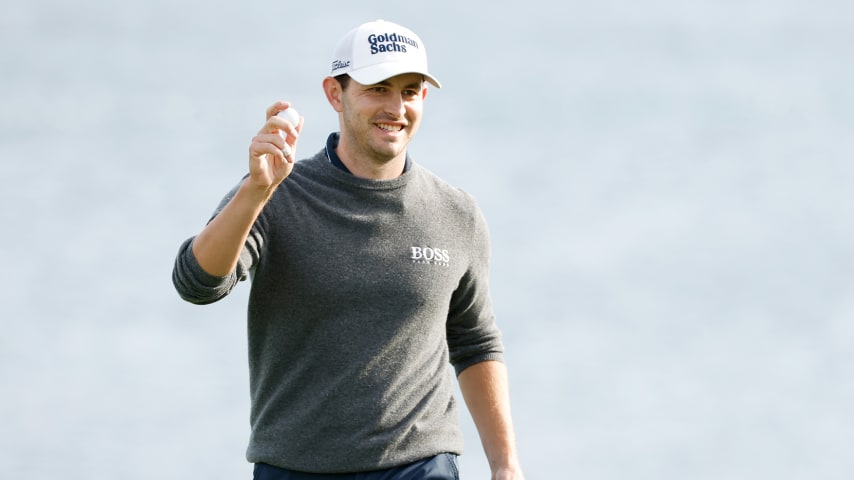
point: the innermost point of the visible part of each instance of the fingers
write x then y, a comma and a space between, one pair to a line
291, 134
279, 132
277, 107
272, 144
272, 149
280, 125
276, 139
261, 147
275, 122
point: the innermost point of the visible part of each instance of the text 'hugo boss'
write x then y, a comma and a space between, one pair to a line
435, 256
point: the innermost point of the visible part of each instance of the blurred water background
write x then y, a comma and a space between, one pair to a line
668, 184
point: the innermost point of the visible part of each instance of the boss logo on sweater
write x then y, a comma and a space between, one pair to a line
430, 256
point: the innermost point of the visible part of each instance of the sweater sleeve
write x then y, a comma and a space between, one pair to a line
473, 335
197, 286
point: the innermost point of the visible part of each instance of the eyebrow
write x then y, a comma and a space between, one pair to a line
418, 84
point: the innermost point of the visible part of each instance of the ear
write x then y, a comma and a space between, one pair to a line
424, 92
333, 92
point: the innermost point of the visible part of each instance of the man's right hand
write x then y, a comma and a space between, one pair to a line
217, 247
268, 165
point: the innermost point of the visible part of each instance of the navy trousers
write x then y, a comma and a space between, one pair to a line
440, 467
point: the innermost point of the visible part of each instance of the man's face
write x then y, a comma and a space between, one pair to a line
379, 120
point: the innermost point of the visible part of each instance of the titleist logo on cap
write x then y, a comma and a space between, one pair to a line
339, 64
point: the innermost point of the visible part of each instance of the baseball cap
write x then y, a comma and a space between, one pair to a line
375, 51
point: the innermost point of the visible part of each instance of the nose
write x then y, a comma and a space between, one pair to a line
396, 105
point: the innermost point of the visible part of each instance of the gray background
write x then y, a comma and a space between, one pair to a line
668, 185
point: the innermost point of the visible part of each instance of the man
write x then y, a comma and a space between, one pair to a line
369, 275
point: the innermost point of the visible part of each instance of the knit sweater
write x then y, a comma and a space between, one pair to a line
362, 293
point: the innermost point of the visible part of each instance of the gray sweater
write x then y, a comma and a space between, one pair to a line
362, 293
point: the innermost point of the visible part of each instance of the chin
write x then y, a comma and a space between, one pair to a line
389, 152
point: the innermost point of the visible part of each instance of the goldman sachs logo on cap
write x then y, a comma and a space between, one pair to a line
389, 42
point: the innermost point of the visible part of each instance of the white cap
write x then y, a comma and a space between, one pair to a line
375, 51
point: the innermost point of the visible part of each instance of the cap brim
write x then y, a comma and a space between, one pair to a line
377, 73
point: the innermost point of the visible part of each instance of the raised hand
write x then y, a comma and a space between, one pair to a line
272, 151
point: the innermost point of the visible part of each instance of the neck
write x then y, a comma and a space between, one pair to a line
364, 165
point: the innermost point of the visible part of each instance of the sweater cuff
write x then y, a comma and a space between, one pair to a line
199, 273
486, 357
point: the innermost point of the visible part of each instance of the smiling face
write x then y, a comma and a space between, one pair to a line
377, 122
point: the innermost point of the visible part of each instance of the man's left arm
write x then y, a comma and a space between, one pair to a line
486, 392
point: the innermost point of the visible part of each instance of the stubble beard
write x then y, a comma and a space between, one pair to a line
366, 145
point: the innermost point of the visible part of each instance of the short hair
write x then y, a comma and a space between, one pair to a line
343, 80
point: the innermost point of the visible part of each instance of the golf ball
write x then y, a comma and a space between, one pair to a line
290, 115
